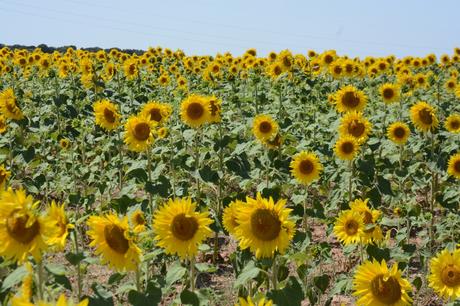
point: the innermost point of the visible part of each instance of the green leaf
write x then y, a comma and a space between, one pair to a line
55, 269
102, 297
209, 175
116, 278
378, 253
75, 258
188, 297
384, 185
14, 278
175, 273
152, 296
249, 272
290, 295
139, 174
28, 154
322, 282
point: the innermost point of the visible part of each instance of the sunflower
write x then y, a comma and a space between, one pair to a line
106, 114
390, 93
229, 216
62, 301
113, 241
60, 226
444, 277
273, 143
377, 285
164, 79
423, 116
452, 123
179, 228
453, 167
346, 147
372, 231
138, 221
274, 70
264, 226
22, 230
215, 108
64, 143
4, 175
3, 125
349, 227
195, 111
306, 167
130, 69
139, 133
349, 98
162, 132
264, 127
158, 112
249, 302
398, 132
355, 125
8, 106
451, 84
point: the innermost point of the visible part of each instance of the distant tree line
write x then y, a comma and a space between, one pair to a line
49, 49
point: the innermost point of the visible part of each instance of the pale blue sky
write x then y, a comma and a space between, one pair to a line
356, 28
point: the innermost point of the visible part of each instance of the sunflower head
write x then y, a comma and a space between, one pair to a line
195, 111
452, 123
375, 284
444, 277
453, 167
423, 116
106, 114
3, 124
179, 228
390, 93
355, 125
4, 175
138, 221
64, 143
139, 133
113, 241
264, 226
349, 98
264, 127
8, 106
59, 225
349, 227
372, 231
250, 302
398, 132
229, 216
346, 147
158, 112
306, 167
215, 108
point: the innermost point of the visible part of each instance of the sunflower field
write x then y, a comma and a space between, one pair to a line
289, 179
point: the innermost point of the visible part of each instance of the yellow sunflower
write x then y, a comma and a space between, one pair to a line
180, 229
444, 277
113, 241
64, 143
249, 302
139, 132
62, 301
398, 132
355, 125
457, 91
390, 93
349, 227
346, 147
452, 123
58, 221
349, 98
158, 112
106, 114
264, 226
264, 127
453, 167
372, 231
8, 106
138, 221
130, 69
3, 125
4, 175
22, 230
306, 167
423, 116
229, 216
162, 132
451, 84
215, 108
377, 285
195, 111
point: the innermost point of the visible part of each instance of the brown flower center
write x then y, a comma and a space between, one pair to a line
184, 227
351, 227
457, 166
399, 132
115, 238
328, 59
195, 111
425, 116
387, 291
16, 227
109, 115
139, 219
347, 147
142, 131
350, 99
277, 70
454, 124
306, 166
337, 69
450, 276
265, 224
265, 127
155, 114
356, 128
388, 93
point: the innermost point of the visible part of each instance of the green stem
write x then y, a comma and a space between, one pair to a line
192, 274
350, 182
79, 279
149, 173
197, 167
275, 273
40, 279
120, 151
138, 279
